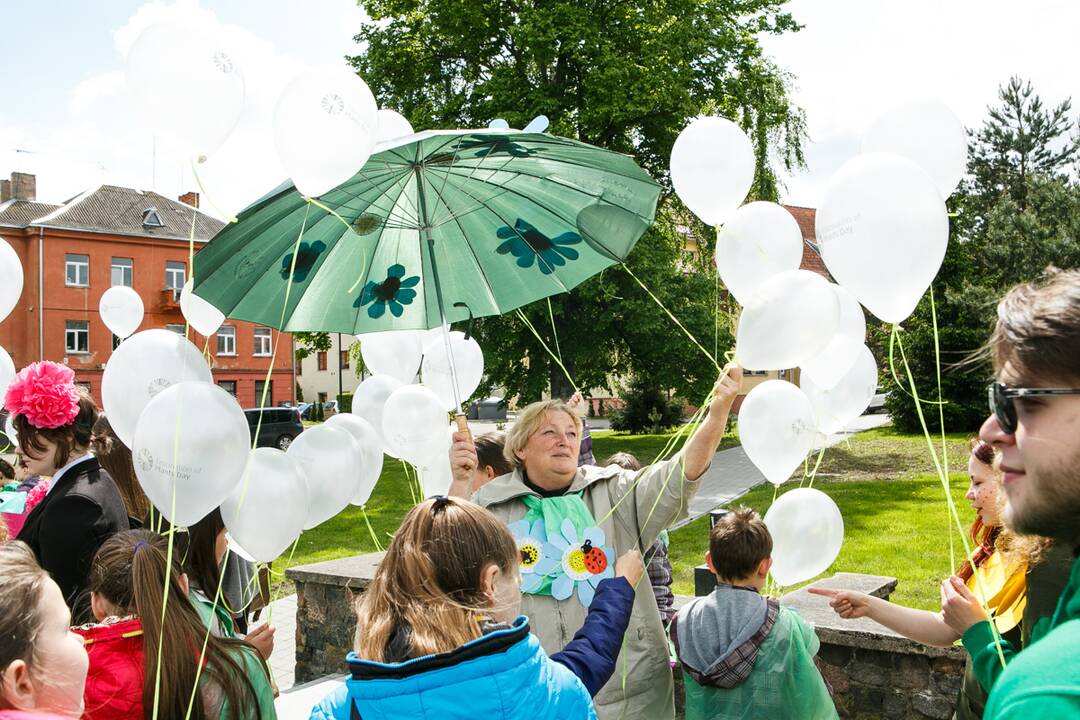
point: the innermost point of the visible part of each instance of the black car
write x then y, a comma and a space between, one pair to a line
280, 426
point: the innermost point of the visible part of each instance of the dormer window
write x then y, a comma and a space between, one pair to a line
151, 219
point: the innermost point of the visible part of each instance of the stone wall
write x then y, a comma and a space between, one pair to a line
874, 673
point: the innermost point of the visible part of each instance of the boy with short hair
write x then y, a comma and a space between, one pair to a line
743, 655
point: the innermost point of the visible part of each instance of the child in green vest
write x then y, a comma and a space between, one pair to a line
743, 656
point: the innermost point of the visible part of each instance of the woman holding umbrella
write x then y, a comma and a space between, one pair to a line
570, 523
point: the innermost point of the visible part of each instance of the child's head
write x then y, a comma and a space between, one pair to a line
42, 663
491, 463
450, 565
624, 460
127, 577
740, 548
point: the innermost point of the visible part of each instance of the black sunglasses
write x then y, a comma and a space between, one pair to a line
1003, 407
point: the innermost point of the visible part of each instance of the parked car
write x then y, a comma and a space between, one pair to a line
307, 410
280, 426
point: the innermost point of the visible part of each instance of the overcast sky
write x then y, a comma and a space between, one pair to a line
66, 115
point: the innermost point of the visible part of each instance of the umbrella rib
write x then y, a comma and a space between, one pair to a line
400, 175
476, 258
499, 215
572, 223
647, 180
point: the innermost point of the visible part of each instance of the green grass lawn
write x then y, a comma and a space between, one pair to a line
883, 483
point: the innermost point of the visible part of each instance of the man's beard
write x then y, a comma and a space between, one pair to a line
1052, 507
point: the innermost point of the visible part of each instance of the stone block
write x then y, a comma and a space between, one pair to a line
836, 655
931, 705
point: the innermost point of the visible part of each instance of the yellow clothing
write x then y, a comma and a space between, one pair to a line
1005, 588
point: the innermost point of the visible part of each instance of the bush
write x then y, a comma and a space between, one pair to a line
344, 403
646, 409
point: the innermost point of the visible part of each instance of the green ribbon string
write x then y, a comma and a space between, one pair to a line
941, 420
558, 361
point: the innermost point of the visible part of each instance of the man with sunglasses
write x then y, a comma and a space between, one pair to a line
1035, 424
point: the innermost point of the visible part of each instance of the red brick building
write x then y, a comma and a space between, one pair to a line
73, 252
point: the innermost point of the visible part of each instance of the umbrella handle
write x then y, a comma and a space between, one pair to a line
462, 424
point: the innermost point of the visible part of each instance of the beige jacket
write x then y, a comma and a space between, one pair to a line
656, 497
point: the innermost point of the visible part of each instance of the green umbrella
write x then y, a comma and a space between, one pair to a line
436, 227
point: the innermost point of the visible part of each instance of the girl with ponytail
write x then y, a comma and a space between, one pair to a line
144, 664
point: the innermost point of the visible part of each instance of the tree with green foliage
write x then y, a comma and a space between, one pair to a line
624, 76
1018, 212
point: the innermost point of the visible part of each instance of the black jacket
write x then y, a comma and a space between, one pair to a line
68, 526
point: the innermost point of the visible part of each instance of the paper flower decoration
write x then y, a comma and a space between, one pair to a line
45, 394
36, 495
585, 562
536, 562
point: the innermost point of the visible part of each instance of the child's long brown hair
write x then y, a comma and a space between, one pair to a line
129, 571
115, 457
429, 581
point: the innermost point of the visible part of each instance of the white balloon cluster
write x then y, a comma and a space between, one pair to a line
11, 285
882, 230
410, 419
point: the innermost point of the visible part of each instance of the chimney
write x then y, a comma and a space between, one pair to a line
190, 198
23, 186
5, 190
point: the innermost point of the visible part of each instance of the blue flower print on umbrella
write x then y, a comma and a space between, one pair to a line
529, 245
394, 292
306, 255
536, 564
585, 562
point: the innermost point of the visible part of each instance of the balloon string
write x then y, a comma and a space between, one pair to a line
968, 552
229, 217
813, 473
682, 327
409, 482
363, 265
288, 562
554, 331
536, 334
941, 416
206, 637
371, 530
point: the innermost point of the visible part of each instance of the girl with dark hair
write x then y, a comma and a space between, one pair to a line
139, 624
1019, 586
115, 457
82, 507
439, 634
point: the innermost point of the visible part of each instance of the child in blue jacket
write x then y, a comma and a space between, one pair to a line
439, 635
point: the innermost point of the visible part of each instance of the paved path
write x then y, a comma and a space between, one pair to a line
732, 473
282, 615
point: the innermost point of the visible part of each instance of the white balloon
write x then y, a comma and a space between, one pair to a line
237, 549
140, 368
761, 240
807, 531
168, 56
776, 428
414, 424
7, 372
537, 125
121, 310
325, 126
331, 459
435, 479
395, 353
201, 315
929, 134
190, 448
883, 229
498, 124
371, 452
790, 319
835, 407
829, 365
393, 125
11, 279
266, 511
369, 401
712, 168
468, 366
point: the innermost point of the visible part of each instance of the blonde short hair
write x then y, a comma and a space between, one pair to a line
528, 422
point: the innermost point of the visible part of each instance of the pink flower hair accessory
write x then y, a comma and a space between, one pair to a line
36, 495
45, 394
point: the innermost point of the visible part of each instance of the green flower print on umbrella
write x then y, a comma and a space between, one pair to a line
483, 146
529, 245
306, 256
394, 292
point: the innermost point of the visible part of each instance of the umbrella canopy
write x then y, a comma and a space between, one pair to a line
437, 226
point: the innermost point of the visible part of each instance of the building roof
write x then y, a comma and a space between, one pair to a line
113, 209
811, 259
20, 213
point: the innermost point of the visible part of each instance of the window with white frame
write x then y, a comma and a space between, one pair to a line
262, 341
226, 340
178, 329
175, 277
77, 336
76, 270
122, 272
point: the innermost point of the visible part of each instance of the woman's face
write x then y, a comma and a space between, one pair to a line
41, 463
58, 675
983, 492
550, 455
